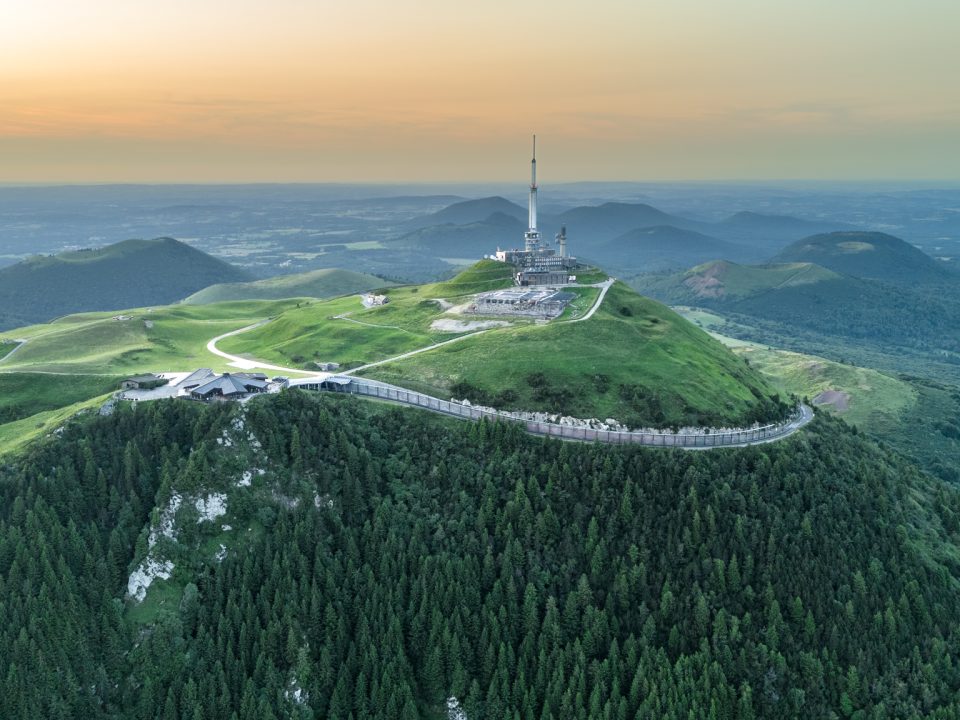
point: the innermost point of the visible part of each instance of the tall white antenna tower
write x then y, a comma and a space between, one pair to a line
532, 236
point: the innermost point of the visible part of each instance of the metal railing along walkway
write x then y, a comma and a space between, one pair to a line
702, 440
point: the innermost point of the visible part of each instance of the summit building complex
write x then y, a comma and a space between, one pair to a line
538, 263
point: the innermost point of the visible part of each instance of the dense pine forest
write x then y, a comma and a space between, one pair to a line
388, 560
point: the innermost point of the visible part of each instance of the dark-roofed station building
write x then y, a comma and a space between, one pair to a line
229, 387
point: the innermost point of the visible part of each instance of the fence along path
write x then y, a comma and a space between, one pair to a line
692, 441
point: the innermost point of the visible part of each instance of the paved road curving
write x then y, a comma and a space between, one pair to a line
20, 344
246, 363
805, 416
604, 286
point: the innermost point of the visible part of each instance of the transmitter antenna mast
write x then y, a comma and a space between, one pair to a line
532, 235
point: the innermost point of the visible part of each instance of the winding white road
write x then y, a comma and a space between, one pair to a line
20, 344
246, 363
804, 417
604, 286
252, 363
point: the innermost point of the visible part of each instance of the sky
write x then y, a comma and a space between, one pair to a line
429, 90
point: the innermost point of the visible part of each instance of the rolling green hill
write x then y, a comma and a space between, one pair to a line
342, 330
133, 273
328, 282
872, 255
634, 360
722, 280
74, 362
141, 340
809, 298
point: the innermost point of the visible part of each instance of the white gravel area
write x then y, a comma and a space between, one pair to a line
450, 325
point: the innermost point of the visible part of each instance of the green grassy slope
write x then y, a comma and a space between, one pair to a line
721, 280
75, 362
635, 361
874, 398
167, 338
302, 336
328, 282
17, 434
481, 277
26, 394
128, 274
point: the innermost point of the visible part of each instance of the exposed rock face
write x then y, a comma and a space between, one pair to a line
211, 507
148, 571
166, 526
455, 710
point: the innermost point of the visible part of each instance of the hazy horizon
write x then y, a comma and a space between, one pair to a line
289, 91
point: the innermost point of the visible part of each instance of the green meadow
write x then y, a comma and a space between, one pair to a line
635, 361
342, 330
168, 338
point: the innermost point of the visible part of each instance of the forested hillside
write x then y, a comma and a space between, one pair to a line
869, 255
132, 273
801, 297
388, 559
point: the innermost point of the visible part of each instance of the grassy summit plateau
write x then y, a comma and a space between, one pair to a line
635, 360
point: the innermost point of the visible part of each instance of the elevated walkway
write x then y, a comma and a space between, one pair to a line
707, 439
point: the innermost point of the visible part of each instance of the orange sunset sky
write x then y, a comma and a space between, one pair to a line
377, 90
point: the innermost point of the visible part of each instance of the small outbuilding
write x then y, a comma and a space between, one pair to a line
147, 381
374, 300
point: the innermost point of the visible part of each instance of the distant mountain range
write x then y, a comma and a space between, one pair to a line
622, 237
470, 211
599, 223
921, 310
127, 274
329, 282
663, 247
868, 255
771, 232
470, 240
